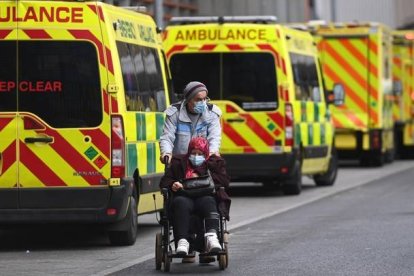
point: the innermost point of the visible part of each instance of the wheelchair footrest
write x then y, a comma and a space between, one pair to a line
189, 255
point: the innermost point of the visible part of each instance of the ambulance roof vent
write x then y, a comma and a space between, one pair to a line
183, 20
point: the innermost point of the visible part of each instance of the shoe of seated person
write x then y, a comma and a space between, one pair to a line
212, 242
182, 247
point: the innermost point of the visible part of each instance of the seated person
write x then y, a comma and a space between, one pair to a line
195, 163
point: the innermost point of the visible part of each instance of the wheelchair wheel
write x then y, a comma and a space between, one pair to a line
222, 261
226, 248
158, 251
167, 263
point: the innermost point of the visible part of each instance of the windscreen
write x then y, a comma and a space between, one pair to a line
55, 80
247, 79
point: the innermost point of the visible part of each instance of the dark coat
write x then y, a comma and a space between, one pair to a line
217, 167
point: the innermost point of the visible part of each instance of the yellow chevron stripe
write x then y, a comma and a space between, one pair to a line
27, 179
9, 178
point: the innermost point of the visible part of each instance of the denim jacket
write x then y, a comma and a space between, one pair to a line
178, 129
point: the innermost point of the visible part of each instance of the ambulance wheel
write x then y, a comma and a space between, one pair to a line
293, 185
158, 251
328, 178
129, 234
378, 159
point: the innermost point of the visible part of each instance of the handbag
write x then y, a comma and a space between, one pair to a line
199, 186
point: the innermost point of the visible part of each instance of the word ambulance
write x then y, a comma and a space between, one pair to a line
42, 14
83, 87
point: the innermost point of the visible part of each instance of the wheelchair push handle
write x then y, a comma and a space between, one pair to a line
166, 162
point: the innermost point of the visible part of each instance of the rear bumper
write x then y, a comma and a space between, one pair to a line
260, 167
67, 205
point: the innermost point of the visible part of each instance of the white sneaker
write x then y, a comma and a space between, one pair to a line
182, 247
212, 242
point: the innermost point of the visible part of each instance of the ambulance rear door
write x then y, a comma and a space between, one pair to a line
346, 60
63, 127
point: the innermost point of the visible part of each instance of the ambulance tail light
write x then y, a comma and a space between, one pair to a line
288, 125
376, 139
117, 147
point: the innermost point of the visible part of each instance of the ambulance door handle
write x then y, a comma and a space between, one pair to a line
31, 140
236, 120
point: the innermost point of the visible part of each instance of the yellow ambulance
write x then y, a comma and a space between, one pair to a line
359, 55
403, 80
266, 79
82, 92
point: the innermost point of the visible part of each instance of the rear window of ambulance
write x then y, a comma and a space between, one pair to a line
55, 80
247, 79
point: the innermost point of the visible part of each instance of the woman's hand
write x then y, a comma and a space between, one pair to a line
176, 186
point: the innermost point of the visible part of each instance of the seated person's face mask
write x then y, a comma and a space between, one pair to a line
197, 160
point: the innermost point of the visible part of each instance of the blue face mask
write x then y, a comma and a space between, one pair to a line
197, 160
200, 107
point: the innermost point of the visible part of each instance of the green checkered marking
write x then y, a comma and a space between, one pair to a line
132, 159
303, 111
159, 120
141, 127
316, 111
91, 153
150, 157
298, 138
310, 134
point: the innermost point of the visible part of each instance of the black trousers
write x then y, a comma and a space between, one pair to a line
184, 207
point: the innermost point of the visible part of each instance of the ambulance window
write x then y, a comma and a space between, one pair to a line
247, 79
59, 82
305, 76
142, 78
197, 67
8, 100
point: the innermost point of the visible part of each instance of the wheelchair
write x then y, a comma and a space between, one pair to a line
165, 243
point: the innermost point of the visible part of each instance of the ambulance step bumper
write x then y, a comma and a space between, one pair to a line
259, 167
69, 205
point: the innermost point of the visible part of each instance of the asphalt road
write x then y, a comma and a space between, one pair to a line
363, 231
85, 250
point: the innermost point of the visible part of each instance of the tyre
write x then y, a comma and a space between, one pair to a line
222, 262
293, 185
226, 247
167, 263
129, 235
328, 178
158, 251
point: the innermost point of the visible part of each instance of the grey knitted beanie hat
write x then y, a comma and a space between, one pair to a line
192, 88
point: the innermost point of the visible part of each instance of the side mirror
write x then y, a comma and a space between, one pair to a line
337, 95
397, 87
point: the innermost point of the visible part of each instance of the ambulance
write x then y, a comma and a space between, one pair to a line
403, 80
266, 79
359, 55
83, 88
